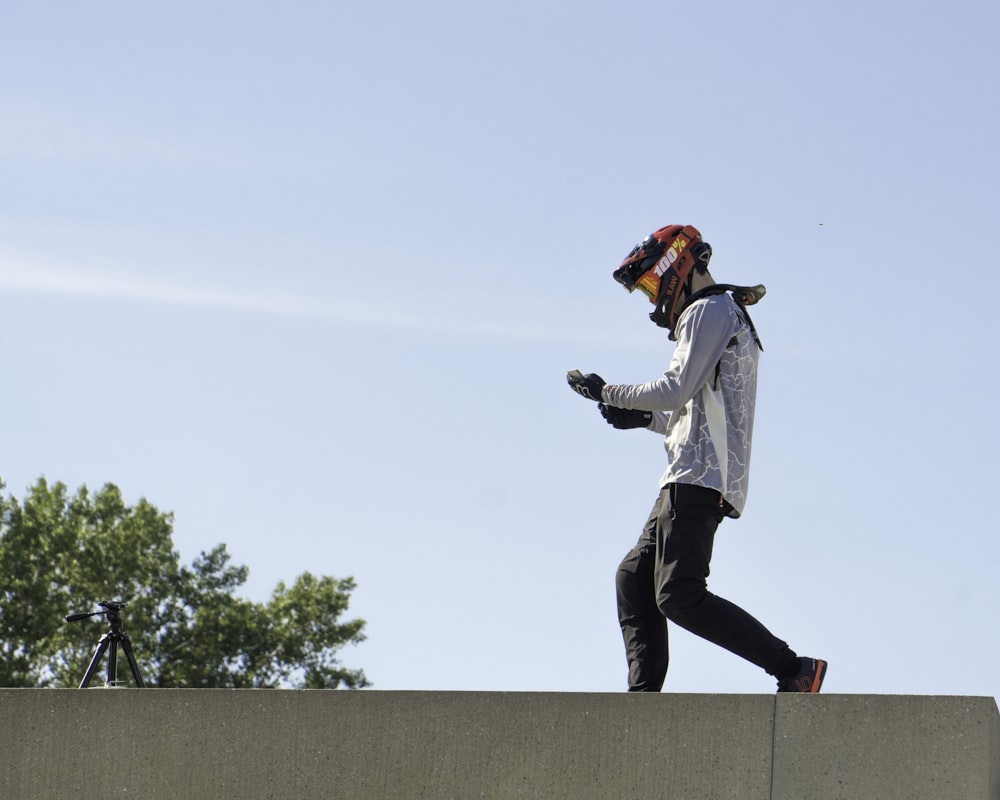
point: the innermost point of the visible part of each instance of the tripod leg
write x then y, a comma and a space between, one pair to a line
102, 645
127, 647
113, 662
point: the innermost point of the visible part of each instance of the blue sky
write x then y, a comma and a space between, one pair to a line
310, 276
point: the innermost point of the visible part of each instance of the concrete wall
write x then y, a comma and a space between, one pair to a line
210, 744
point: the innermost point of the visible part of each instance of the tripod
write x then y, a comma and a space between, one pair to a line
111, 639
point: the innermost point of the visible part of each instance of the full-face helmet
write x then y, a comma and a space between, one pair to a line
660, 267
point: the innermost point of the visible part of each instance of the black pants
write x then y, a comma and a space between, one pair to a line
665, 577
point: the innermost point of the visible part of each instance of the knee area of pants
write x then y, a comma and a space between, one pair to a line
681, 603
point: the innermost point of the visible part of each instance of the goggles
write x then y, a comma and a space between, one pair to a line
638, 269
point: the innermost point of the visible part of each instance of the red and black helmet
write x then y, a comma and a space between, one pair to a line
660, 266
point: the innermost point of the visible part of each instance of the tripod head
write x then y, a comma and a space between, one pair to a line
110, 608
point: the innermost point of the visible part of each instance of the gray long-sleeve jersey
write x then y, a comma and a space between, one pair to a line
704, 403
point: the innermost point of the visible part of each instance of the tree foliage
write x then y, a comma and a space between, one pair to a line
188, 628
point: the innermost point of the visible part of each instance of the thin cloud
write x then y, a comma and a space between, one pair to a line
39, 279
36, 132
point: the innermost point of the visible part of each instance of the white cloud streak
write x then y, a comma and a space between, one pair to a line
20, 277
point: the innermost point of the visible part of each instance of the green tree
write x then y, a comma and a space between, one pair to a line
62, 554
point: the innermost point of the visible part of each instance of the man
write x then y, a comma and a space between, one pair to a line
704, 407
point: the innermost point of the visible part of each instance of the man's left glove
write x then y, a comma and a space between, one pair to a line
588, 385
625, 418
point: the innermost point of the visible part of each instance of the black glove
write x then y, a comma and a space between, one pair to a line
588, 385
625, 418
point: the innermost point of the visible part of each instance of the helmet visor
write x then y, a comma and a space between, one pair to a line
637, 269
641, 274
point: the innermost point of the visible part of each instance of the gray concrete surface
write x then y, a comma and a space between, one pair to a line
899, 747
193, 744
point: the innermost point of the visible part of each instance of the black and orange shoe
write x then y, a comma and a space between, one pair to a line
808, 679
